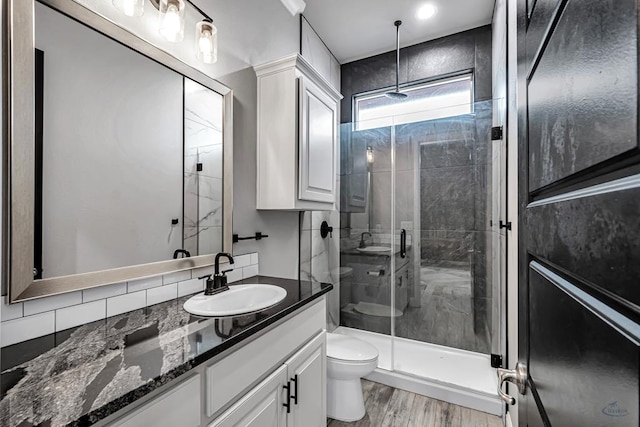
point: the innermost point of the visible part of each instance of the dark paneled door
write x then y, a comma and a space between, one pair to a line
579, 284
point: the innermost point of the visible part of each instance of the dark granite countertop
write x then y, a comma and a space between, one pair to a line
82, 375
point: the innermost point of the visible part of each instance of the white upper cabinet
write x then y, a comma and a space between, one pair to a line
297, 136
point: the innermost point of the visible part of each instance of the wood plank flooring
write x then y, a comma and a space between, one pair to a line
390, 407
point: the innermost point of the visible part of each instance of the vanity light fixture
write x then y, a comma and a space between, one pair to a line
172, 20
206, 41
130, 7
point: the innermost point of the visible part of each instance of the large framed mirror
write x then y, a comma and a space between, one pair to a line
120, 155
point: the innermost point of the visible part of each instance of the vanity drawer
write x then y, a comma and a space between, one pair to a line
227, 379
180, 406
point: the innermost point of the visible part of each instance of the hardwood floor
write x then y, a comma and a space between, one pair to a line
387, 406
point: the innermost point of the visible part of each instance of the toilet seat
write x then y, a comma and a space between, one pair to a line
346, 349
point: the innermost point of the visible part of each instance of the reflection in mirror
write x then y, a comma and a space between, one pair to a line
202, 169
119, 141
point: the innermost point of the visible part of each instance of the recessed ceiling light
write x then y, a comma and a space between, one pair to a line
426, 11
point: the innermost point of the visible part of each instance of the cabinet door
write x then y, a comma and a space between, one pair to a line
261, 407
318, 133
307, 371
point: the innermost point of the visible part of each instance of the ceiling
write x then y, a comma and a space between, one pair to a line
356, 29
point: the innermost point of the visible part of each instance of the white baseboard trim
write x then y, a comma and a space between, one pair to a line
446, 392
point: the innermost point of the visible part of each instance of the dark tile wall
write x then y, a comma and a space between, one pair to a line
454, 162
469, 50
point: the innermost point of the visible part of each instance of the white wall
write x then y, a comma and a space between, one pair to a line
279, 252
112, 127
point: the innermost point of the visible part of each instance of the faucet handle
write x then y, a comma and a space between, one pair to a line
206, 276
226, 271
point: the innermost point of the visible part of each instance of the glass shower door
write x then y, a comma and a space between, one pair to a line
442, 223
366, 296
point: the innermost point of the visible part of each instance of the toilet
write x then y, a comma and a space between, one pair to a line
348, 360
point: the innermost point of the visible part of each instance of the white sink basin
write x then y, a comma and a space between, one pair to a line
239, 299
380, 249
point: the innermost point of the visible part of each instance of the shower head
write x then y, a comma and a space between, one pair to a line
395, 95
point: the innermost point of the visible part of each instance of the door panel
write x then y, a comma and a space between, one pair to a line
582, 94
308, 369
540, 20
317, 143
601, 242
579, 215
585, 368
261, 407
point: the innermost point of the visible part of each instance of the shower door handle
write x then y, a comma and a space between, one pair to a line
403, 243
516, 376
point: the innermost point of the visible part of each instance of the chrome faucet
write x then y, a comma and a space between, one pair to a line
219, 282
362, 242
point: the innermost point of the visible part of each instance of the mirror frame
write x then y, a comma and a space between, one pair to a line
19, 190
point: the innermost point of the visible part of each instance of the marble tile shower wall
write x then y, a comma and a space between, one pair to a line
320, 258
44, 316
202, 186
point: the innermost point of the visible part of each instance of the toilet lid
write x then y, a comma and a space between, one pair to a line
343, 347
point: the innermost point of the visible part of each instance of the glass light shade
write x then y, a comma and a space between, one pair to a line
130, 7
206, 42
370, 155
172, 20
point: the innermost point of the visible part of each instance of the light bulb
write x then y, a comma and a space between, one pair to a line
130, 7
206, 42
426, 11
172, 20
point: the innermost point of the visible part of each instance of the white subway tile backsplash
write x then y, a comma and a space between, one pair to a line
32, 319
190, 287
142, 284
162, 294
201, 271
235, 275
26, 328
250, 271
128, 302
80, 314
178, 276
52, 303
102, 292
241, 261
10, 311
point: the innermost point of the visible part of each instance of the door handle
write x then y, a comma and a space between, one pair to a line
287, 405
403, 243
516, 376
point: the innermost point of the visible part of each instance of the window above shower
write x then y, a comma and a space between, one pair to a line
430, 100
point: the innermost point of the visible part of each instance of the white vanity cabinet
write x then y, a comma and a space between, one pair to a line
277, 379
298, 135
294, 395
